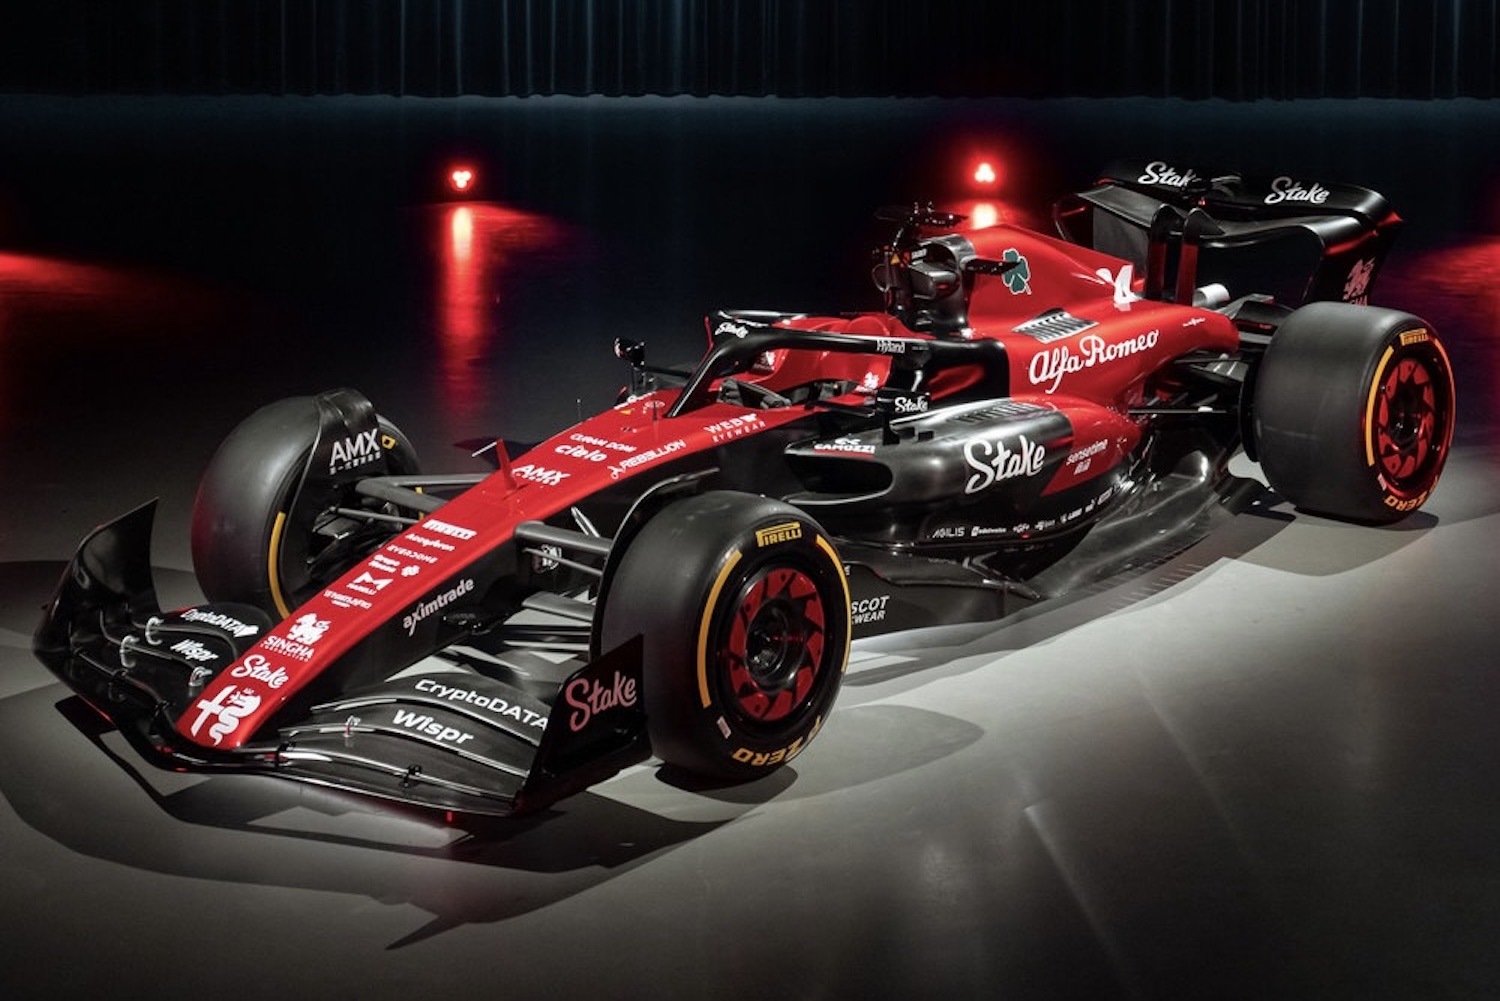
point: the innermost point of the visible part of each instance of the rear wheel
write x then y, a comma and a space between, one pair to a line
262, 533
743, 607
1354, 411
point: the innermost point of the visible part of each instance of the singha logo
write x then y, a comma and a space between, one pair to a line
308, 629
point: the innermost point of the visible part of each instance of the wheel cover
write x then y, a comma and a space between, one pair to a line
773, 654
1409, 423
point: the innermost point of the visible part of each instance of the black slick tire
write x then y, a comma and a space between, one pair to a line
245, 547
1354, 411
743, 607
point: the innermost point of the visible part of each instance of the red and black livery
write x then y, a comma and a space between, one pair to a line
682, 574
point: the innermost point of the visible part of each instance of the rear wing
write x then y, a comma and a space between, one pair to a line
1296, 239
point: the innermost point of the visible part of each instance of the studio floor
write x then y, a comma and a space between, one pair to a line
1264, 769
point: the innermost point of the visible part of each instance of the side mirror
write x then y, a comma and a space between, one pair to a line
633, 352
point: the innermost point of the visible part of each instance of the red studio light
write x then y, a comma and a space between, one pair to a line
461, 179
985, 173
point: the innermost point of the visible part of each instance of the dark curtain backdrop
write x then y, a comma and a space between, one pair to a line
1233, 49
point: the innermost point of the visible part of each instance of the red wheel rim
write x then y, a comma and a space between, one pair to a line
774, 652
1408, 426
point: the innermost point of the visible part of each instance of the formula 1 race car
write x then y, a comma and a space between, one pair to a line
682, 574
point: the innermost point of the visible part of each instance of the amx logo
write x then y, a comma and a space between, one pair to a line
355, 451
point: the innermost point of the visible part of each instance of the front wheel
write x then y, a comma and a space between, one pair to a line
1354, 411
743, 607
263, 532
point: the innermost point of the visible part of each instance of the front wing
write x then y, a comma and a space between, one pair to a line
438, 733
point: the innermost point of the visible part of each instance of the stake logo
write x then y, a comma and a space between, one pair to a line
589, 698
997, 460
1286, 189
910, 403
1164, 174
257, 668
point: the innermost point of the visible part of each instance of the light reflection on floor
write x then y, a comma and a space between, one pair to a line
37, 286
485, 249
